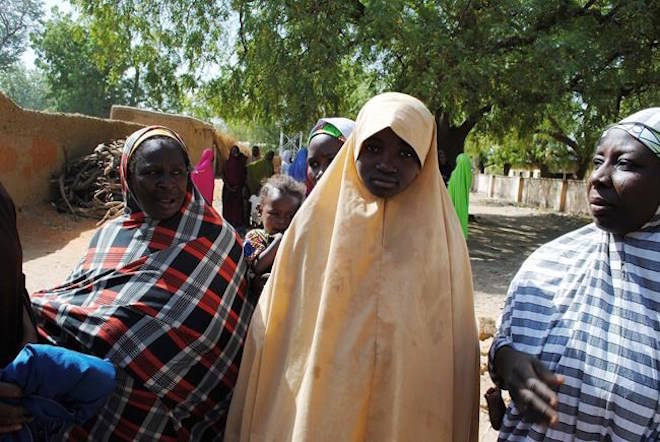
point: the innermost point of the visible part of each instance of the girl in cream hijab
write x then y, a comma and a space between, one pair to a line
366, 329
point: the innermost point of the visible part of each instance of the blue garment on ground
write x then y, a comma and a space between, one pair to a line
298, 169
60, 386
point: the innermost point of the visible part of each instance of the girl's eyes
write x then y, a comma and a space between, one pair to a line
406, 154
373, 148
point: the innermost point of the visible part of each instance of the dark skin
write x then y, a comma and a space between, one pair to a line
621, 202
387, 165
276, 212
619, 189
158, 178
321, 151
256, 153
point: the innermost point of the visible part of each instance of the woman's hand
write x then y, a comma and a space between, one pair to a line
530, 385
12, 417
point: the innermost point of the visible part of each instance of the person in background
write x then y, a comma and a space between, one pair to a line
203, 175
279, 200
162, 294
445, 166
325, 140
356, 337
459, 187
287, 157
298, 169
234, 179
259, 171
578, 347
256, 153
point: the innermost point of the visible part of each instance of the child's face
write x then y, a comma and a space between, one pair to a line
387, 164
277, 211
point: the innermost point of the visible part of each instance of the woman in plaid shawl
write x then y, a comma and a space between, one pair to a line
161, 292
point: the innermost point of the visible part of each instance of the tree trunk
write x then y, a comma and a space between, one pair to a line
450, 138
582, 168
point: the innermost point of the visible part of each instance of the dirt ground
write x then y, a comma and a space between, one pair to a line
501, 237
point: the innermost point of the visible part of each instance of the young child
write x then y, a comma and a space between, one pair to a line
366, 329
279, 200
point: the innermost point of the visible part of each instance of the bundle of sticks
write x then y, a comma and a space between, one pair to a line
90, 186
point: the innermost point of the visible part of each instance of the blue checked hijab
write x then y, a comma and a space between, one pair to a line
644, 126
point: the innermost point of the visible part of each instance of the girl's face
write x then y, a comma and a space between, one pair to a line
277, 211
321, 151
387, 164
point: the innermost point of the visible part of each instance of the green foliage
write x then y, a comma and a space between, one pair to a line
66, 54
17, 18
537, 79
26, 87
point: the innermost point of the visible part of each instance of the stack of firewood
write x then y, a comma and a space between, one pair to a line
90, 186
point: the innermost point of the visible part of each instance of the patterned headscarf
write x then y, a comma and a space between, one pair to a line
339, 128
131, 146
644, 126
166, 302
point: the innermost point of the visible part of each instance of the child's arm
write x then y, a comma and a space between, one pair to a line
264, 261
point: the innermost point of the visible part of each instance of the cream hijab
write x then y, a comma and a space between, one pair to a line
366, 328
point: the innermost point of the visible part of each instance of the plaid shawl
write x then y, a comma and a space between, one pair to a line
166, 302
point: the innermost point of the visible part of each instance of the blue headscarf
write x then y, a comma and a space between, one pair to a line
298, 169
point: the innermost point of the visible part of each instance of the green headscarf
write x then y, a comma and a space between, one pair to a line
459, 186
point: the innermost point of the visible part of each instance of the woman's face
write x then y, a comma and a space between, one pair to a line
387, 164
622, 189
321, 151
158, 178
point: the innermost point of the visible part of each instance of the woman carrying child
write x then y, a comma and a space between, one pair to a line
366, 328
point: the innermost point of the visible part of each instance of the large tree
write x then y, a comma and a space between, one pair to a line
513, 61
17, 19
26, 86
66, 54
555, 69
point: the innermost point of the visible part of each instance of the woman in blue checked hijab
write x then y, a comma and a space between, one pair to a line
579, 342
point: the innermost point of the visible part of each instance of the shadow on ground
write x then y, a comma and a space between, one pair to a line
499, 244
44, 231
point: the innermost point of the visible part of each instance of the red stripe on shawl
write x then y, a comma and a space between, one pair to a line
112, 329
227, 269
142, 399
132, 267
148, 366
106, 297
113, 257
171, 280
88, 258
162, 238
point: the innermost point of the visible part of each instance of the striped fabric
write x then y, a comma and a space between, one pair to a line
587, 305
166, 302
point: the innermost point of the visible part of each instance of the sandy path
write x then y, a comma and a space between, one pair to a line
501, 237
